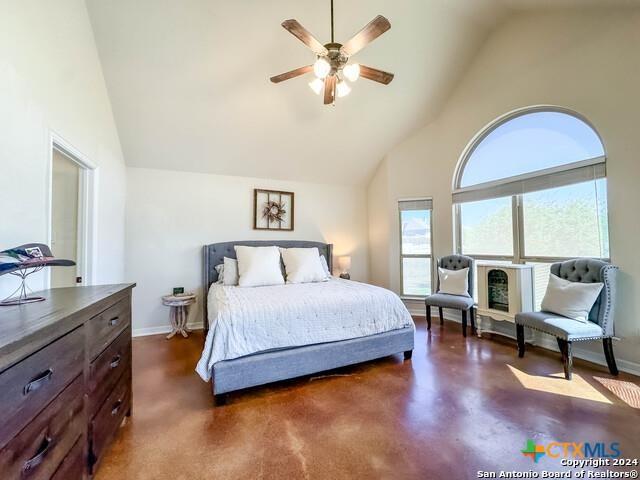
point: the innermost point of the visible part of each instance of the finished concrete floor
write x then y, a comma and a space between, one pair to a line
459, 406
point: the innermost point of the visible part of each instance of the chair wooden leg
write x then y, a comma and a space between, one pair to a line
408, 354
567, 359
464, 323
608, 353
428, 316
441, 317
520, 336
472, 312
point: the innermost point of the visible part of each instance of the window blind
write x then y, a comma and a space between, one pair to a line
416, 204
578, 172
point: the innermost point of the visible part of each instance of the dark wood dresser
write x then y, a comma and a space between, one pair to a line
65, 381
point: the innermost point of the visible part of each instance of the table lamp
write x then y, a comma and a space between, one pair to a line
344, 263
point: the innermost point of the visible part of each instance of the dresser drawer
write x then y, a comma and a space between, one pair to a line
105, 370
29, 385
104, 328
38, 450
105, 424
73, 466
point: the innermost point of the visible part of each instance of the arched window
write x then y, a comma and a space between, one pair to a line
531, 188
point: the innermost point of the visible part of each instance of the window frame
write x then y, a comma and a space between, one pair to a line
517, 210
413, 255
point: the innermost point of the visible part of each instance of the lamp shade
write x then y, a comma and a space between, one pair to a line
344, 263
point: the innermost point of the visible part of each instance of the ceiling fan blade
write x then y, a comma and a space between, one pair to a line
368, 34
291, 74
375, 75
329, 89
304, 36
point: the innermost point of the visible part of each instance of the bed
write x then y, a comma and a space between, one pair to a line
261, 335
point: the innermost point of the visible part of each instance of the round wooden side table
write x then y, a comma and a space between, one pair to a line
179, 313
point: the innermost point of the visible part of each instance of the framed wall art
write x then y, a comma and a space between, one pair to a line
273, 210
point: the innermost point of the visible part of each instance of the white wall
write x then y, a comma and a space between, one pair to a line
585, 60
171, 215
51, 81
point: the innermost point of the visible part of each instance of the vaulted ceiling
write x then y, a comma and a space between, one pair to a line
189, 81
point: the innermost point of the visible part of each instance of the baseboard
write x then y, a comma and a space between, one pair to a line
416, 308
161, 329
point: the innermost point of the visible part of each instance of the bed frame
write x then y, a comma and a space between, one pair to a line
284, 364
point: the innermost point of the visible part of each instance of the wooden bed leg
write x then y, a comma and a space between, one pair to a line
408, 354
220, 399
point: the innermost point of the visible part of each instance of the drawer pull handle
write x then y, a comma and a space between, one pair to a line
38, 381
114, 321
37, 459
115, 361
116, 408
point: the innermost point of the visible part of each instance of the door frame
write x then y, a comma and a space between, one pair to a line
87, 207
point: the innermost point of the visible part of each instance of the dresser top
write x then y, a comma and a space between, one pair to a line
24, 329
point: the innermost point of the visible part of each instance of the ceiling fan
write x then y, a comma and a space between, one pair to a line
332, 67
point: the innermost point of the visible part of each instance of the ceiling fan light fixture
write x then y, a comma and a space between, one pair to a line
351, 71
316, 85
342, 89
331, 68
321, 67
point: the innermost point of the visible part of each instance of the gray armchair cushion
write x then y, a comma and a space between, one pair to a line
562, 327
449, 301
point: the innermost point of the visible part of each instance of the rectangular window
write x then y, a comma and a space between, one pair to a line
486, 228
415, 247
551, 225
566, 222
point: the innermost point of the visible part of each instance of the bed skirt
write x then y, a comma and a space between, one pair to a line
263, 368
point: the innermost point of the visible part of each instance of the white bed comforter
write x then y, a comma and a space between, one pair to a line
243, 321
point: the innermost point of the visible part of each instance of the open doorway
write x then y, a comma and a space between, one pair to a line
71, 215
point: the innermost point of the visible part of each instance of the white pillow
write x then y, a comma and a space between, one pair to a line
325, 267
454, 282
258, 266
230, 271
303, 265
570, 299
220, 270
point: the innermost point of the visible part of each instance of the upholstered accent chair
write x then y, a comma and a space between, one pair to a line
459, 302
566, 330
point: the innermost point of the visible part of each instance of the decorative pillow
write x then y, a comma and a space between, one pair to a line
325, 266
454, 282
220, 270
570, 299
258, 266
303, 265
230, 270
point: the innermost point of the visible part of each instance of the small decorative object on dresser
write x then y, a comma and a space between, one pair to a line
22, 261
273, 210
65, 381
503, 291
179, 314
345, 266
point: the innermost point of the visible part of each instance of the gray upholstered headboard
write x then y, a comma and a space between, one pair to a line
215, 253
